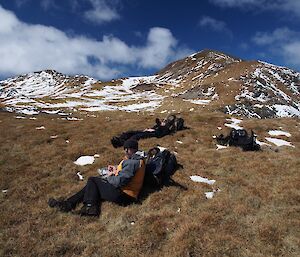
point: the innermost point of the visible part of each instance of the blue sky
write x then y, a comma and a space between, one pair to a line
111, 39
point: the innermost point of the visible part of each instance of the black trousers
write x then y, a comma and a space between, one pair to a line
97, 190
137, 135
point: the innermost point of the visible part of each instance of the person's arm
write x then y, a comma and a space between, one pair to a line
129, 168
148, 130
112, 170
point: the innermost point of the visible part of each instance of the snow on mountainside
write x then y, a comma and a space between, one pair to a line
51, 92
245, 88
209, 78
269, 91
196, 67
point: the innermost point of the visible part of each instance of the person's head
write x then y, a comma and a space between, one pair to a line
130, 147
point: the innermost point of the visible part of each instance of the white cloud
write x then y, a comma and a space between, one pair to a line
45, 4
235, 3
212, 23
278, 36
216, 25
282, 42
101, 12
290, 6
26, 47
291, 53
160, 45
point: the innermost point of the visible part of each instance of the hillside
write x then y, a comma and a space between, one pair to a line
219, 81
254, 210
249, 205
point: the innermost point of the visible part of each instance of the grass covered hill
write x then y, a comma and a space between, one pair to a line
254, 212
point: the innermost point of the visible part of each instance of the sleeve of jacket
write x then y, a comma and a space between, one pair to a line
129, 168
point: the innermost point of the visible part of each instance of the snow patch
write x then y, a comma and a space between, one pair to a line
80, 177
234, 123
85, 160
210, 195
279, 133
202, 102
40, 128
286, 111
200, 179
279, 142
261, 143
220, 147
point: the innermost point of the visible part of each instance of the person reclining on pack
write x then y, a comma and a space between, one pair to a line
162, 128
122, 185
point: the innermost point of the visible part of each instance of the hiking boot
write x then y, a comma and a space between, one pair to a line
63, 206
116, 142
52, 202
90, 210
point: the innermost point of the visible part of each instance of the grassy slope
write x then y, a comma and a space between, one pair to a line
256, 213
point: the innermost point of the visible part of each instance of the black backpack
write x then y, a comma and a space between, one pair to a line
160, 166
179, 124
240, 138
174, 123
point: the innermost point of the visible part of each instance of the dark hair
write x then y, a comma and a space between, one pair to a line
131, 143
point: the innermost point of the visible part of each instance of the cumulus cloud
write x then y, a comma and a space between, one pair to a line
290, 6
101, 12
292, 53
283, 42
216, 25
207, 21
278, 36
26, 47
160, 45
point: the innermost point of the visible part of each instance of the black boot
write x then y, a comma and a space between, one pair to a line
90, 210
63, 206
116, 142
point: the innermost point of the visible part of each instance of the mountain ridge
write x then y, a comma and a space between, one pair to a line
252, 89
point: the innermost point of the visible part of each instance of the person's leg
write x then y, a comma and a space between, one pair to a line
118, 141
112, 194
69, 204
77, 198
91, 192
143, 134
92, 197
106, 192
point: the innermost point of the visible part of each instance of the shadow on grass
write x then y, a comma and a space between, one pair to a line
147, 190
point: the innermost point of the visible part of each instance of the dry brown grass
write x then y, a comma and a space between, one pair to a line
256, 213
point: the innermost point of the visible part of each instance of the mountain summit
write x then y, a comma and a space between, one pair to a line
246, 88
208, 78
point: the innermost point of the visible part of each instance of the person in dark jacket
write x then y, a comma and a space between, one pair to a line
122, 185
160, 129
